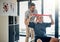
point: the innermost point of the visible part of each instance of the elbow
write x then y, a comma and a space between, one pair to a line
25, 22
52, 23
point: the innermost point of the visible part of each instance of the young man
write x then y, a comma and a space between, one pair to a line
40, 29
29, 30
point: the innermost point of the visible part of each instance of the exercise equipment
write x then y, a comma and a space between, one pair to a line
40, 15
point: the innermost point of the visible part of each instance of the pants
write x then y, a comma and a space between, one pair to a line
29, 32
44, 39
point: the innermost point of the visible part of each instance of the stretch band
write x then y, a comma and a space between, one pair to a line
40, 15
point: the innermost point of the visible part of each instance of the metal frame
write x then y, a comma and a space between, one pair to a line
42, 10
18, 8
56, 20
29, 2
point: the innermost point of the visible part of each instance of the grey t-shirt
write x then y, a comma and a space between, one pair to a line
28, 12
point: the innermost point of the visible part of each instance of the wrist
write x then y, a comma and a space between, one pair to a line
29, 17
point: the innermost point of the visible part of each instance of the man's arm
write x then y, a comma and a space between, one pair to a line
52, 22
28, 20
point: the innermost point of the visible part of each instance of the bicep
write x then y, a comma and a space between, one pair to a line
26, 15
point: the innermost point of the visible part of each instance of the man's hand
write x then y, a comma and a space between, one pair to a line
30, 15
28, 20
50, 16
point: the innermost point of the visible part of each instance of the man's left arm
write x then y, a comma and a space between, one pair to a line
52, 22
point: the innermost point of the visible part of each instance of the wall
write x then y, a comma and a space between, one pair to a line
3, 28
4, 19
11, 7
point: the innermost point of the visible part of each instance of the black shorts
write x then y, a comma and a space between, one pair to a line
44, 39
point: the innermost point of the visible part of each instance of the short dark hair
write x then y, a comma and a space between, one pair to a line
32, 4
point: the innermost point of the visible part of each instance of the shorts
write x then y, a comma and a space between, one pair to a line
44, 39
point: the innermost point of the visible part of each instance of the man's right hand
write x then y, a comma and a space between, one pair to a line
30, 16
27, 22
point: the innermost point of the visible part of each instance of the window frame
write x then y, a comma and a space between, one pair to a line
56, 17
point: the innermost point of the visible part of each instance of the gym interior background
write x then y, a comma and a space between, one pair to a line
12, 27
43, 7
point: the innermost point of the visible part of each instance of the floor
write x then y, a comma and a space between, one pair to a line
22, 39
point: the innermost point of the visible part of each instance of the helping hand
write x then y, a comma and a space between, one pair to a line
30, 15
50, 16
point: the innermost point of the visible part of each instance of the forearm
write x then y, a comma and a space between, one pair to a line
27, 21
52, 22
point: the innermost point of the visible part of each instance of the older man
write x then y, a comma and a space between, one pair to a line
40, 29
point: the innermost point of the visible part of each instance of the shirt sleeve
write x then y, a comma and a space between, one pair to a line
36, 12
47, 24
26, 15
31, 24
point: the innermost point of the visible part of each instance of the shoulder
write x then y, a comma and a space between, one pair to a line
27, 11
35, 10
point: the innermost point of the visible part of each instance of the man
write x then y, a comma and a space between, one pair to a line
40, 29
29, 12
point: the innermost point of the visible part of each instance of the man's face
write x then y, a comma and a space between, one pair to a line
40, 19
32, 8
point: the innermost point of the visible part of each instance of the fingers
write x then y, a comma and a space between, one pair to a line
50, 16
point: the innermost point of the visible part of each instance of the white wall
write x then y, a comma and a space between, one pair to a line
11, 11
3, 28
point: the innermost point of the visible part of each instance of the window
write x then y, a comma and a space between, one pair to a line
38, 5
23, 7
49, 8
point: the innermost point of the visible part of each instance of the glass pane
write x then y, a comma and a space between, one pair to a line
23, 7
38, 5
49, 8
